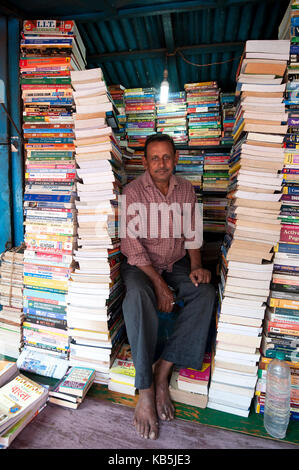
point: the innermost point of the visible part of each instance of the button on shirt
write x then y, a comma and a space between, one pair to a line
159, 228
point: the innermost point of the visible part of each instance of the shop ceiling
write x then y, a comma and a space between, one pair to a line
133, 41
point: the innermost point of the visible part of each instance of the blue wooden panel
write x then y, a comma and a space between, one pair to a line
17, 170
5, 210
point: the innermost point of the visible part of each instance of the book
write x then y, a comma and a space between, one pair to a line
199, 400
17, 397
196, 380
77, 380
8, 370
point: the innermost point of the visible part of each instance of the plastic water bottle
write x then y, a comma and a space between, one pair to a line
277, 402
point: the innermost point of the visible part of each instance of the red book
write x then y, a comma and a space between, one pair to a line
196, 381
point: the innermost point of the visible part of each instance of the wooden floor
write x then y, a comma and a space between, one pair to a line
100, 424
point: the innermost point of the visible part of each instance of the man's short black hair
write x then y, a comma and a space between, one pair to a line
158, 138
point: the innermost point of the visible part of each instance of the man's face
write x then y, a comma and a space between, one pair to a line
160, 161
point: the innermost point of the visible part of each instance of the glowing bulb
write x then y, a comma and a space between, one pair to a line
164, 89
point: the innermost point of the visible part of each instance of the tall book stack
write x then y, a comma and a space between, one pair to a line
215, 175
141, 115
49, 51
203, 113
171, 117
95, 291
253, 227
190, 167
117, 94
133, 165
11, 302
281, 326
227, 103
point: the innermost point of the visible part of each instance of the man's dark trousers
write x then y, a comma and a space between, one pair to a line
186, 346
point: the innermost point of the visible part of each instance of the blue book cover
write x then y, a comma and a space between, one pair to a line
44, 313
34, 293
41, 130
42, 40
48, 197
288, 248
51, 140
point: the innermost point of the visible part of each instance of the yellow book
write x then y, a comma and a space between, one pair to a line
40, 236
284, 303
238, 132
50, 283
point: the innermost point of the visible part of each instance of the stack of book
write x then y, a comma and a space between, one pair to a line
49, 51
203, 113
227, 102
133, 165
214, 213
122, 372
140, 109
95, 290
289, 29
8, 370
171, 117
21, 399
281, 325
190, 386
285, 28
215, 174
11, 302
260, 391
117, 95
215, 184
73, 387
190, 167
253, 226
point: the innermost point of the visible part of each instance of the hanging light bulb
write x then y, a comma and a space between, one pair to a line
164, 89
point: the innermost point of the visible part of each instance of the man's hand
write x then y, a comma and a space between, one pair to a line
165, 297
200, 276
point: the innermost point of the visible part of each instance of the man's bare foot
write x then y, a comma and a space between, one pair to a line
145, 417
165, 408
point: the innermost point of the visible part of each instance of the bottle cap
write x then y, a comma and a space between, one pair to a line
279, 355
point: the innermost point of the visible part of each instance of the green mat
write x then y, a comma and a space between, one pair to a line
253, 425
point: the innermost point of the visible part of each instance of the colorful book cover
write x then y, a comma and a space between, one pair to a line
200, 375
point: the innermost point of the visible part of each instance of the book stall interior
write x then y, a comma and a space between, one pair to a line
89, 86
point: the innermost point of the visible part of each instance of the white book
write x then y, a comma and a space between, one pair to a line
265, 137
242, 312
230, 399
95, 132
266, 116
264, 88
237, 338
227, 409
94, 108
238, 329
89, 74
236, 281
241, 320
267, 267
277, 46
262, 150
90, 123
246, 392
257, 196
267, 55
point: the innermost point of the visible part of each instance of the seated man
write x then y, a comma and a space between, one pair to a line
155, 260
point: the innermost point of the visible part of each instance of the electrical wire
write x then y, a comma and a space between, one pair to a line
206, 65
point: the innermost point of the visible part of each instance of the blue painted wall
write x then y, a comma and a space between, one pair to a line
11, 162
